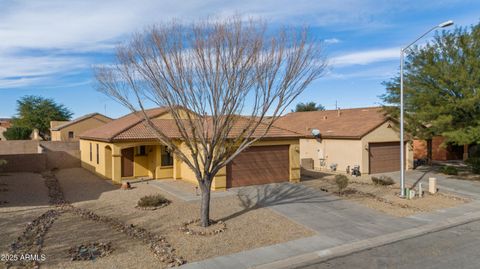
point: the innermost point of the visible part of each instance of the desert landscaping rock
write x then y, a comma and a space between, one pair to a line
385, 198
193, 228
90, 251
31, 240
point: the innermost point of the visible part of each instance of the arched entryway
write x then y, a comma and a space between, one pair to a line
108, 162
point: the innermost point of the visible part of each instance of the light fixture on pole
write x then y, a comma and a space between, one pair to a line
402, 142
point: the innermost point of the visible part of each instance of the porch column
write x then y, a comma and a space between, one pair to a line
117, 165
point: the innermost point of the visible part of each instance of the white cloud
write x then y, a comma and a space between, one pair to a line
332, 41
366, 57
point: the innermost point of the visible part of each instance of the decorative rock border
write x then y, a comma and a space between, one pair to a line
185, 228
31, 241
90, 251
151, 208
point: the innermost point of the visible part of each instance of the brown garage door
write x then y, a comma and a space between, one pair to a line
259, 165
384, 157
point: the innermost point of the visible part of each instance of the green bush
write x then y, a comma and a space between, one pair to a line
152, 201
449, 170
474, 164
17, 133
383, 180
342, 182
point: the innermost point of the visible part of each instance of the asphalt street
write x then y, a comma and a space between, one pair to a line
457, 247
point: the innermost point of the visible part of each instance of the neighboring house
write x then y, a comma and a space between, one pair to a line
441, 151
125, 148
348, 137
4, 125
70, 130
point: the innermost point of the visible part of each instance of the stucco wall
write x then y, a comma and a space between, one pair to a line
350, 152
326, 152
78, 128
19, 147
109, 164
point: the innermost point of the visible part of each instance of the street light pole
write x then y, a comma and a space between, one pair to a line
402, 138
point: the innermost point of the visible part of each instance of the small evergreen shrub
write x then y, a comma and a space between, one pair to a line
474, 164
152, 201
383, 180
449, 170
342, 182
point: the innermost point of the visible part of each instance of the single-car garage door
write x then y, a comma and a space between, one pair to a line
259, 165
384, 157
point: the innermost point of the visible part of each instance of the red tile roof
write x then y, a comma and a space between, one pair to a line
351, 123
133, 128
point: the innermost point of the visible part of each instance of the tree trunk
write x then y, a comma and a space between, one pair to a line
205, 206
429, 151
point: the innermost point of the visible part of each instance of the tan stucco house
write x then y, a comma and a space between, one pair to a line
348, 137
125, 148
70, 130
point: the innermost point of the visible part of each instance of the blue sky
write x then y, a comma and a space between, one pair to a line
48, 47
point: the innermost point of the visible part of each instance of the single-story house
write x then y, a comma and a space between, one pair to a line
70, 130
125, 148
345, 138
4, 125
442, 151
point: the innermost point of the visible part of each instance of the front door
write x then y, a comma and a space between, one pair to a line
127, 162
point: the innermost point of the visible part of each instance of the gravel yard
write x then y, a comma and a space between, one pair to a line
385, 198
26, 198
25, 195
245, 229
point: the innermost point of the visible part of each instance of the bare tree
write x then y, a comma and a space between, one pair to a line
229, 74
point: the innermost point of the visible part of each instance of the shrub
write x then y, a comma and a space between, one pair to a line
383, 180
474, 164
342, 182
3, 162
449, 170
17, 133
152, 201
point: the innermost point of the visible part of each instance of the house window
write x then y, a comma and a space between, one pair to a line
167, 158
70, 135
98, 156
91, 157
141, 150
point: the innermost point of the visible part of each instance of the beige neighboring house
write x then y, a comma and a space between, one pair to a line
348, 137
70, 130
4, 125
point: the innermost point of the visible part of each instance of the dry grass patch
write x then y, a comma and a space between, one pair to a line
385, 198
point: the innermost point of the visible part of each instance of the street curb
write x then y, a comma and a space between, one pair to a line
344, 250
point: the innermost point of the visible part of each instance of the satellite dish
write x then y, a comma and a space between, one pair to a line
316, 133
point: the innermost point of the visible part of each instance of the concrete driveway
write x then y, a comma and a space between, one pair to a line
450, 183
322, 212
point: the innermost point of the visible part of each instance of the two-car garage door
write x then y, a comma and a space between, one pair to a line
384, 157
259, 165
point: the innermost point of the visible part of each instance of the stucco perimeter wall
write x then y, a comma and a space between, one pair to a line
384, 133
19, 147
220, 180
325, 152
78, 128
